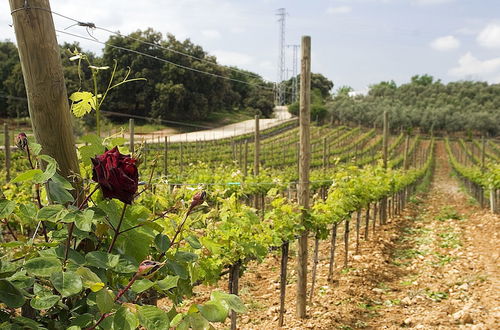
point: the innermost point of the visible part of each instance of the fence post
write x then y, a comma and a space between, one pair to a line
165, 156
304, 164
131, 132
7, 151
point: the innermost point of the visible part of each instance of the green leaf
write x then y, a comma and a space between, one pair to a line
194, 242
162, 242
178, 269
105, 300
67, 283
6, 208
125, 319
142, 285
53, 213
214, 311
35, 148
198, 322
83, 103
153, 318
44, 301
101, 259
168, 282
233, 301
90, 279
74, 327
83, 221
184, 256
82, 321
65, 184
58, 193
50, 170
10, 295
27, 176
43, 266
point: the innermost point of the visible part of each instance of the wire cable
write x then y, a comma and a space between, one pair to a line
163, 60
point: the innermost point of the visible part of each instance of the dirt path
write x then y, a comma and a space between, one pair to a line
434, 267
281, 115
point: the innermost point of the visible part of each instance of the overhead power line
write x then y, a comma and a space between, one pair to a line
163, 60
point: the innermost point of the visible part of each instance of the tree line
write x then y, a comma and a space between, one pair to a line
424, 103
168, 91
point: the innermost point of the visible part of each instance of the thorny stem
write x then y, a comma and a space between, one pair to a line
10, 229
117, 230
72, 225
177, 232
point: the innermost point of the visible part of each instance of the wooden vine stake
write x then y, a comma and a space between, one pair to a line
304, 164
284, 265
234, 276
7, 151
48, 104
256, 159
383, 202
131, 130
333, 244
165, 156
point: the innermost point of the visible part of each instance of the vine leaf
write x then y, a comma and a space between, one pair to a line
83, 103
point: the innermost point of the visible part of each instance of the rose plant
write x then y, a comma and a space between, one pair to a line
100, 263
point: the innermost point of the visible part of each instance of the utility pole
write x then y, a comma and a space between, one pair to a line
304, 166
295, 61
280, 95
44, 81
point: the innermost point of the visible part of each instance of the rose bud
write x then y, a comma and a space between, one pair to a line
22, 141
116, 175
198, 198
148, 267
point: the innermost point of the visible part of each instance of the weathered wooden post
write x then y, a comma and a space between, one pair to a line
165, 156
7, 151
304, 164
131, 132
383, 202
44, 82
256, 159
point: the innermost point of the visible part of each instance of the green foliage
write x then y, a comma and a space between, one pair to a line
425, 103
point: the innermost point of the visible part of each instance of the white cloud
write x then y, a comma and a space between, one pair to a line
468, 65
211, 34
233, 58
431, 2
445, 43
489, 37
339, 10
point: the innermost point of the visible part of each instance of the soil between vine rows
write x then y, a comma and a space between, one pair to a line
433, 267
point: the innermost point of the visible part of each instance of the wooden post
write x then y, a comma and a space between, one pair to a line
180, 158
283, 273
483, 152
333, 244
383, 202
7, 151
407, 146
256, 155
245, 160
165, 156
131, 134
48, 103
305, 156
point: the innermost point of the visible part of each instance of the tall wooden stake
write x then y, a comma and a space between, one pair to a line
256, 155
383, 202
131, 132
7, 151
305, 156
165, 156
44, 82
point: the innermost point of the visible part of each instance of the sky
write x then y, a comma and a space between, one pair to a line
354, 42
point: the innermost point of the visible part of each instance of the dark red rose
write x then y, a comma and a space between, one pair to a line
22, 141
116, 174
198, 198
